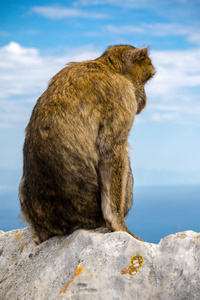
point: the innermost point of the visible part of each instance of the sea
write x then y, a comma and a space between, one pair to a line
156, 211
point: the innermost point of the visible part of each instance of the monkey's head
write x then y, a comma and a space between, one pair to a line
134, 64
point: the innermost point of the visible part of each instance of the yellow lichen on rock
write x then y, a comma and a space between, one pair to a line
22, 245
124, 271
18, 236
34, 236
78, 271
136, 263
65, 287
132, 270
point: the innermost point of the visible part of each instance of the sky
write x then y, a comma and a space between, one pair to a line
38, 38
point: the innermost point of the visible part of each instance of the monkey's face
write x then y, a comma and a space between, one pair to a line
134, 64
145, 70
139, 70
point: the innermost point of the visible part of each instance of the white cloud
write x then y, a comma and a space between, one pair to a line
21, 70
173, 29
174, 109
60, 12
7, 187
163, 29
126, 29
157, 117
14, 112
15, 48
4, 33
159, 29
126, 3
24, 73
159, 6
194, 37
175, 91
175, 70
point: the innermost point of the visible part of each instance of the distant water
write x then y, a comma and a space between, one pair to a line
9, 210
156, 212
160, 211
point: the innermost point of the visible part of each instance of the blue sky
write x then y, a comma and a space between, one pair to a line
38, 38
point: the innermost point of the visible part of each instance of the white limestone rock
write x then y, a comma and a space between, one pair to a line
96, 264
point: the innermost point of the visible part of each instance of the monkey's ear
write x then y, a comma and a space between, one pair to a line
138, 54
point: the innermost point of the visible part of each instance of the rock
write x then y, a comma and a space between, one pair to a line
96, 264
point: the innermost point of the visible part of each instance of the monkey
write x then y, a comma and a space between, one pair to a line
76, 167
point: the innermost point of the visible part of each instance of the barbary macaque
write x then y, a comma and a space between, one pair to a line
76, 171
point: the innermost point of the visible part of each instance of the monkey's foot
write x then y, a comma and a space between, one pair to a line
135, 236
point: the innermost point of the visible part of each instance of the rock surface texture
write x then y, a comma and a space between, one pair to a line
99, 265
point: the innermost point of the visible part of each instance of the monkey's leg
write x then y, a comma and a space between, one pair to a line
129, 191
113, 178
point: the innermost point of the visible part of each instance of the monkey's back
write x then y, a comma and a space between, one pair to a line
67, 133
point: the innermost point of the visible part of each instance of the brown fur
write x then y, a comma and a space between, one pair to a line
76, 170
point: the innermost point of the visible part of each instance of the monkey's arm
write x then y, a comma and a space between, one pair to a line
113, 171
112, 183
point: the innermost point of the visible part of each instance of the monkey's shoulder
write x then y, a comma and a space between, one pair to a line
86, 71
86, 84
63, 73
